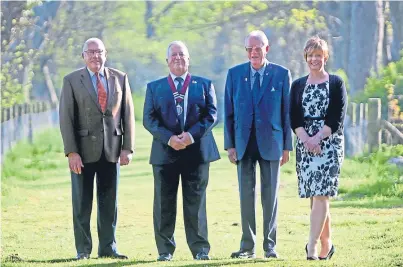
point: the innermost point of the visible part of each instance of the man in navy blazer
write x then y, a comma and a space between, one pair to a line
257, 129
180, 111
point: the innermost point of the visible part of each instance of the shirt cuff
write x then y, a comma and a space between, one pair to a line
169, 141
191, 137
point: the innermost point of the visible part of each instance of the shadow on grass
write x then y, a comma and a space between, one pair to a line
86, 263
222, 262
216, 262
369, 203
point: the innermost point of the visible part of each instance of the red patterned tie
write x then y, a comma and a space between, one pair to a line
102, 97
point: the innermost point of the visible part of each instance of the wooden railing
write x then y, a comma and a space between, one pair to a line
20, 122
368, 127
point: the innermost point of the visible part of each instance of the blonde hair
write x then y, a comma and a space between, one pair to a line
316, 43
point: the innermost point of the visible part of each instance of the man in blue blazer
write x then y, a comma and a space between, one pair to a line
180, 111
257, 129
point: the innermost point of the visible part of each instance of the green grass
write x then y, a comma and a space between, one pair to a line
37, 214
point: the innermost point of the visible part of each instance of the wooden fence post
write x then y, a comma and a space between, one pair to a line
353, 113
374, 120
29, 109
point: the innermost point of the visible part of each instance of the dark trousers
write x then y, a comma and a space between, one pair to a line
269, 175
194, 177
82, 192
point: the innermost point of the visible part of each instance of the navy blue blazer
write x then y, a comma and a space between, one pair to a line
161, 120
272, 119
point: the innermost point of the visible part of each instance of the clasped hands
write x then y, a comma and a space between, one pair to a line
312, 144
179, 142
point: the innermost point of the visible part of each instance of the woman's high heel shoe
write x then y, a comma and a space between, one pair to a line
312, 258
330, 254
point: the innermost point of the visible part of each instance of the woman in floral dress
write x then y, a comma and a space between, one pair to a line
318, 107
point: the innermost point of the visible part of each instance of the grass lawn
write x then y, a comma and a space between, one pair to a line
36, 217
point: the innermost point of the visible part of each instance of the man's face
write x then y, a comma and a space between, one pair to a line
178, 60
95, 56
256, 52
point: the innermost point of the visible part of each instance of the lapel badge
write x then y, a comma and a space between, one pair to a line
272, 89
246, 79
193, 81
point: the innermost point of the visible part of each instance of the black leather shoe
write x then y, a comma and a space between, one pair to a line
243, 254
312, 258
164, 257
83, 256
270, 254
202, 256
330, 254
114, 255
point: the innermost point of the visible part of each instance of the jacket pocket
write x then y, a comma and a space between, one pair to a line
83, 132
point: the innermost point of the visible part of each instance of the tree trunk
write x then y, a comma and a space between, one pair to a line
396, 11
150, 30
364, 32
49, 83
380, 35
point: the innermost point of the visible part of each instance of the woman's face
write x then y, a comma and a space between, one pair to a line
316, 60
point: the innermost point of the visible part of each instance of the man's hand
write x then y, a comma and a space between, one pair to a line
285, 158
75, 162
176, 143
125, 157
232, 155
185, 137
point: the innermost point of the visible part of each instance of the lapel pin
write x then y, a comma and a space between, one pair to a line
272, 89
193, 81
246, 79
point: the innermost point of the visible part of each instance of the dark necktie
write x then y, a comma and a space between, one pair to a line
102, 97
181, 109
256, 88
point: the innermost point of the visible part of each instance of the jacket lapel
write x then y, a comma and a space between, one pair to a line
192, 90
247, 89
170, 97
87, 83
110, 78
267, 76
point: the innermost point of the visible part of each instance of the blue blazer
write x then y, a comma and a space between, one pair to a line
161, 120
272, 119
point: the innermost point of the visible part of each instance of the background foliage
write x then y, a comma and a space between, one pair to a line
42, 40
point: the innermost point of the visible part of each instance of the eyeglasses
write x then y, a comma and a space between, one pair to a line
92, 53
256, 48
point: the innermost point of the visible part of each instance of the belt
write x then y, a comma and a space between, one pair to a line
314, 118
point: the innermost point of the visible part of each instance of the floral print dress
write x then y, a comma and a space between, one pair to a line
318, 175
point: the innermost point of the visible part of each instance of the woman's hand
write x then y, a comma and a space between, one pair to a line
312, 142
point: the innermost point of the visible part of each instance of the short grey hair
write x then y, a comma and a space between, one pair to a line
258, 35
178, 43
92, 40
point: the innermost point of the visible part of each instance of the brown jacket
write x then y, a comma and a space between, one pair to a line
84, 128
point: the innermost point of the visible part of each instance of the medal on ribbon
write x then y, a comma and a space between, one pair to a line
179, 109
179, 95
